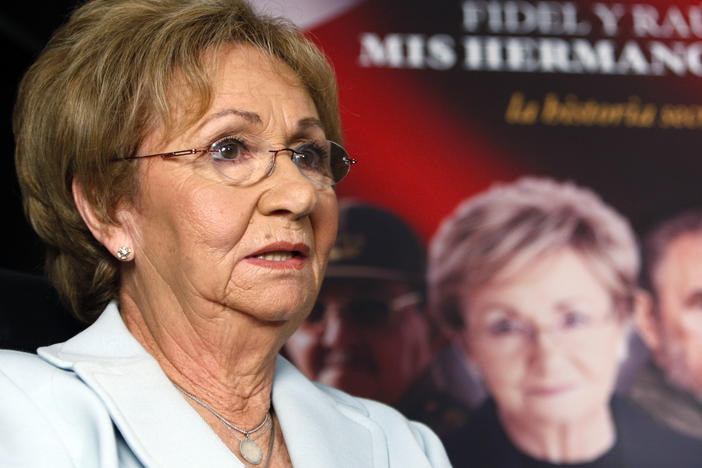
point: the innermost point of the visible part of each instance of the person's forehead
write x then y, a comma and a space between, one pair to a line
241, 76
243, 73
541, 290
241, 59
564, 268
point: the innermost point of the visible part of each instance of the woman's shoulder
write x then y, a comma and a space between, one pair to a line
44, 406
39, 381
27, 371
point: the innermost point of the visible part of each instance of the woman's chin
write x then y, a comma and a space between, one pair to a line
276, 303
555, 405
276, 315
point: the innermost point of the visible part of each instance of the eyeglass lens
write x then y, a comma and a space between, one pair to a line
573, 331
324, 162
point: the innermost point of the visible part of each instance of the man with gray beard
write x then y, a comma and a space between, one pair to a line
670, 323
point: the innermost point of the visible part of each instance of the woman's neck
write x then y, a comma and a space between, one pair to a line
574, 441
225, 359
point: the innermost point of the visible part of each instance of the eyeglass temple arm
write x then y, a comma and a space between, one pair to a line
169, 155
347, 159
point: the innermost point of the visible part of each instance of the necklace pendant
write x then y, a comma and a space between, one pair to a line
250, 451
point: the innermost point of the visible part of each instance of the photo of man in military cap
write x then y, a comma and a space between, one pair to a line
368, 334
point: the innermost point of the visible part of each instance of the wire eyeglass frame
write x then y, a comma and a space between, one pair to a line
339, 163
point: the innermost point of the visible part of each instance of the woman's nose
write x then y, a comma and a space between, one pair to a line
545, 350
288, 190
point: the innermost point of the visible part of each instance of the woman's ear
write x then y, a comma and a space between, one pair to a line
114, 237
647, 323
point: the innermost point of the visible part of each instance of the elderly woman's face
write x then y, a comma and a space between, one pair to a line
259, 249
546, 340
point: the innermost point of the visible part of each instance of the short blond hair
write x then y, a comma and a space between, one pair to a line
99, 87
510, 225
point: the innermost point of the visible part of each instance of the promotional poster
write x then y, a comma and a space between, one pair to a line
520, 238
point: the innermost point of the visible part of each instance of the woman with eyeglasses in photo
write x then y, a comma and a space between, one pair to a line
179, 158
537, 280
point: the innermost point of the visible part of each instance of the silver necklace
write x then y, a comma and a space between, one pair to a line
248, 448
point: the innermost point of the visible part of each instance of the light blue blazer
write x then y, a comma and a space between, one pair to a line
100, 400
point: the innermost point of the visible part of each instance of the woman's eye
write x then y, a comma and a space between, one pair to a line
312, 156
229, 149
575, 319
505, 327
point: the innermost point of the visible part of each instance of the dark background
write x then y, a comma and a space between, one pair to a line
24, 29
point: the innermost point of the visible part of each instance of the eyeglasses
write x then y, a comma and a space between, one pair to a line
367, 312
510, 336
244, 163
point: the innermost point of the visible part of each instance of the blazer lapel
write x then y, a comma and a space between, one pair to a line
321, 431
159, 426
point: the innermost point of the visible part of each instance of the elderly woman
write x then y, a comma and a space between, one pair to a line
537, 279
179, 157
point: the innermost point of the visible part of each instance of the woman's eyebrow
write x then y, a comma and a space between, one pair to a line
496, 308
251, 117
304, 124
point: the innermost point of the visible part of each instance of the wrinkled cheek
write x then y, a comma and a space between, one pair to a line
220, 236
598, 373
601, 361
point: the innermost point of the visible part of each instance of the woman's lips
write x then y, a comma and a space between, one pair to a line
549, 390
281, 255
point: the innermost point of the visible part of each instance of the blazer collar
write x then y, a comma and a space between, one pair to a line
319, 429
